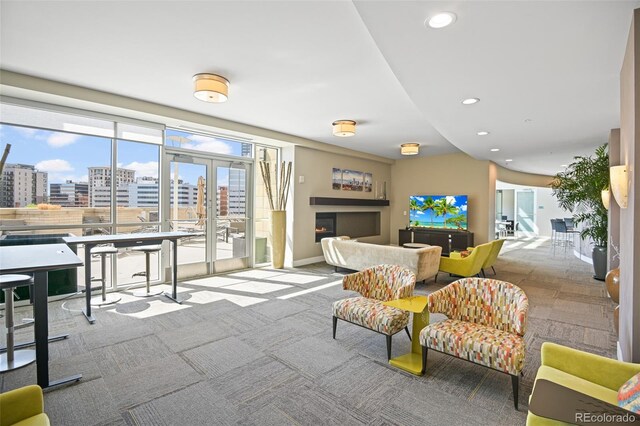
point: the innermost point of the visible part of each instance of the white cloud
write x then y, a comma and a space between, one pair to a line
150, 168
419, 212
58, 140
26, 131
463, 207
55, 165
421, 199
204, 143
451, 200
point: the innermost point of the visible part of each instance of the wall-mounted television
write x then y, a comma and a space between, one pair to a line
438, 211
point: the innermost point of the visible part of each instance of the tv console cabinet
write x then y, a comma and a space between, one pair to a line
448, 239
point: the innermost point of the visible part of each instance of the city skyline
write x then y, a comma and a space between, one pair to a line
68, 156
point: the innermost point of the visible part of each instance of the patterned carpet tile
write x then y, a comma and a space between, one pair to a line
156, 378
221, 356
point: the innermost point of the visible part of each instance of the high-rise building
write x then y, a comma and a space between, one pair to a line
69, 194
100, 185
21, 185
143, 192
237, 192
222, 206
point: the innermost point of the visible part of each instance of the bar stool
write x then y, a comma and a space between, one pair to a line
147, 252
13, 359
104, 299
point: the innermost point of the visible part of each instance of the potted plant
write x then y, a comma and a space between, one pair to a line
578, 190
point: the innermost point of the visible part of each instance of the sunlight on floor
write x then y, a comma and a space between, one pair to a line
153, 308
256, 287
310, 290
296, 278
206, 296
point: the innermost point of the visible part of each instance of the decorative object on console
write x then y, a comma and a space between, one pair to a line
278, 205
376, 285
620, 185
579, 190
486, 322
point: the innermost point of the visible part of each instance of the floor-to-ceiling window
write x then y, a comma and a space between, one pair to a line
69, 171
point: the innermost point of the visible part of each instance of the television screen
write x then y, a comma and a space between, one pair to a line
438, 211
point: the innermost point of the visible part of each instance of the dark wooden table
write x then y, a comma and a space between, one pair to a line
128, 240
40, 259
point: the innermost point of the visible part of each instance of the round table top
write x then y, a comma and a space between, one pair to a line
415, 245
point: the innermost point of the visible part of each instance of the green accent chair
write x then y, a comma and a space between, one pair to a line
496, 246
23, 407
593, 375
466, 266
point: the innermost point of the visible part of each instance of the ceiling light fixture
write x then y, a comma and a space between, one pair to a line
508, 160
563, 165
344, 128
210, 87
495, 149
470, 101
410, 148
482, 133
441, 20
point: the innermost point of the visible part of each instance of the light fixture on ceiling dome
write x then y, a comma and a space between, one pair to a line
210, 87
344, 128
410, 148
441, 20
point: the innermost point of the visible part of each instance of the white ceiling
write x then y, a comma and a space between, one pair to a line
296, 66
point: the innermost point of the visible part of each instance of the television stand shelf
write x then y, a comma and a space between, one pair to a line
448, 239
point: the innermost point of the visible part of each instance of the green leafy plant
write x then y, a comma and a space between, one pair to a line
578, 190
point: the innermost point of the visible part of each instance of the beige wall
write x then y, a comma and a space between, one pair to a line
451, 174
629, 334
316, 167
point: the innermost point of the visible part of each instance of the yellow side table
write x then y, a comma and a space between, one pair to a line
412, 362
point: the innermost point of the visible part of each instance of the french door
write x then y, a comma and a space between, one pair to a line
210, 197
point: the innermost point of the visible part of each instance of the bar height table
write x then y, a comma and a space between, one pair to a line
128, 240
40, 259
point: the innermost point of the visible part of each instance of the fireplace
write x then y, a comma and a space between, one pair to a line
325, 225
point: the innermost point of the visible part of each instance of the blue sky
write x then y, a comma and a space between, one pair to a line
67, 156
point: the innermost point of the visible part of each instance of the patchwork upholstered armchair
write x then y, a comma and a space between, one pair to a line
376, 285
486, 323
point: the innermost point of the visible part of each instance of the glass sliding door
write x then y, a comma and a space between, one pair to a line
231, 210
209, 197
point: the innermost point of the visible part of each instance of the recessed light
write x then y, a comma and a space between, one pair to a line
563, 165
470, 101
441, 20
495, 149
508, 160
482, 133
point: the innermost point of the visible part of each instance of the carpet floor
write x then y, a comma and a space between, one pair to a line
255, 347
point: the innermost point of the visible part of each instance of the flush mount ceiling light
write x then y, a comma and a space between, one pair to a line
563, 165
470, 101
508, 160
210, 87
495, 149
482, 133
441, 20
410, 148
344, 128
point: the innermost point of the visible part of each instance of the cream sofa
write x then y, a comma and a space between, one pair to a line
350, 254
